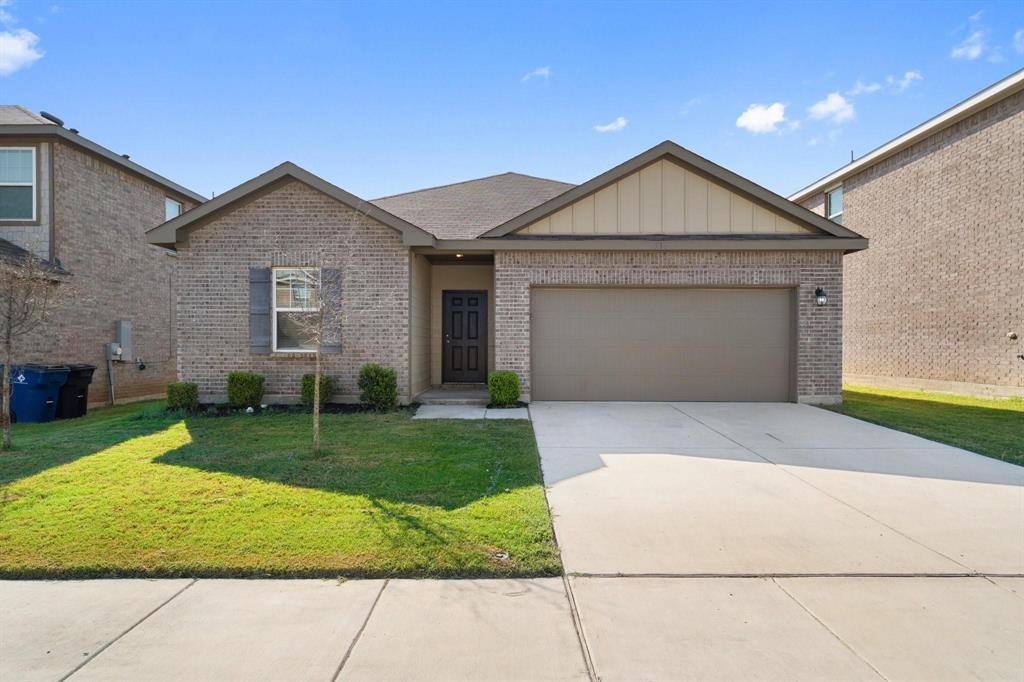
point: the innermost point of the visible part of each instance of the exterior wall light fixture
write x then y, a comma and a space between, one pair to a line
820, 297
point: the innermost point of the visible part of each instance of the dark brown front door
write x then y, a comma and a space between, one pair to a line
465, 337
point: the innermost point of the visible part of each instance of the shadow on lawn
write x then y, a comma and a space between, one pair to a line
38, 447
387, 458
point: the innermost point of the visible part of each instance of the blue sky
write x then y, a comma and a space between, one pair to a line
387, 97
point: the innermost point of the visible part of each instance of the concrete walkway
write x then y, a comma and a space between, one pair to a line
702, 542
605, 628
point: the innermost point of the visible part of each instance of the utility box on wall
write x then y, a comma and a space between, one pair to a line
123, 338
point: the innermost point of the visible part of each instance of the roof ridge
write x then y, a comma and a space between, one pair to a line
466, 182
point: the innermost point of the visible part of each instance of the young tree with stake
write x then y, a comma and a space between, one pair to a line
27, 293
319, 325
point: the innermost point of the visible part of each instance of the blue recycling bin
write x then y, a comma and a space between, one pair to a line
34, 391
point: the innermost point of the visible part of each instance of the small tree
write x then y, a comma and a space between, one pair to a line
27, 293
321, 327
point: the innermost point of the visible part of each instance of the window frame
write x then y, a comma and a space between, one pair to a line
829, 215
34, 184
180, 205
274, 309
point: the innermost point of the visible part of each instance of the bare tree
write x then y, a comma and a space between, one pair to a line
319, 323
27, 293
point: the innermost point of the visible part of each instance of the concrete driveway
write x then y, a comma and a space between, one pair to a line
748, 488
779, 541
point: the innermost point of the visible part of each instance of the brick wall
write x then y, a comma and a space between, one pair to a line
281, 228
101, 214
819, 347
931, 303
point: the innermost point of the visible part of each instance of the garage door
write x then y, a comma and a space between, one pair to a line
661, 344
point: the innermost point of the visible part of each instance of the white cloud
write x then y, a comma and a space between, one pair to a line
6, 18
906, 81
540, 72
1018, 40
759, 118
835, 108
864, 89
615, 126
690, 105
971, 47
18, 50
975, 45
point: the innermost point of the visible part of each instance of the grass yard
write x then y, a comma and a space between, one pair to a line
131, 490
988, 426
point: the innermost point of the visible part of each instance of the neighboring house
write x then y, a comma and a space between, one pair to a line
85, 210
938, 301
666, 278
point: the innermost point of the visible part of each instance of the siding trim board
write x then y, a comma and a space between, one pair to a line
697, 164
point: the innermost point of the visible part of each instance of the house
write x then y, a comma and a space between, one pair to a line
666, 278
938, 301
85, 210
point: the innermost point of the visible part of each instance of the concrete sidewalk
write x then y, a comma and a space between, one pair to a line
601, 628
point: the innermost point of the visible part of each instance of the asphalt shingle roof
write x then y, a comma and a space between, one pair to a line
465, 210
12, 114
15, 255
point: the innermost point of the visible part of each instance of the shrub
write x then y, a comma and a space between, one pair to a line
326, 388
378, 387
245, 389
183, 395
503, 387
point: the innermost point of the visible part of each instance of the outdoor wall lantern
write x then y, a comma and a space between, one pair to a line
820, 297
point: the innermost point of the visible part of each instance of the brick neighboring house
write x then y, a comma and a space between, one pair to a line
666, 278
74, 203
938, 301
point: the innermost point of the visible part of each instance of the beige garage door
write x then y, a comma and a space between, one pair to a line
661, 344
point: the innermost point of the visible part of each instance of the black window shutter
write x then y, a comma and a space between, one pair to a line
259, 311
330, 297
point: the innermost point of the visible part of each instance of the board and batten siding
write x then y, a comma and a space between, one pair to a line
663, 198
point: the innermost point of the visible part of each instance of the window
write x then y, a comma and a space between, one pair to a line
17, 183
172, 208
834, 205
296, 300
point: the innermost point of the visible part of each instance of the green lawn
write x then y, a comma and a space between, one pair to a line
132, 491
988, 426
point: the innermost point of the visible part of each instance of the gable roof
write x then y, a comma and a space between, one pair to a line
17, 121
13, 254
994, 93
169, 233
465, 210
671, 150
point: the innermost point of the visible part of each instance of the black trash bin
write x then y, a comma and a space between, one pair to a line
73, 400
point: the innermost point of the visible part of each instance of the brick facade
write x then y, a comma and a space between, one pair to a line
278, 228
819, 329
100, 216
931, 303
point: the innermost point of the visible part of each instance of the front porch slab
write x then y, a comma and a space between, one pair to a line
469, 412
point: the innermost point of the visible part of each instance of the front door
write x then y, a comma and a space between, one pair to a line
464, 340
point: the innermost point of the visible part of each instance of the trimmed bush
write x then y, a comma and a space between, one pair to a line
378, 387
245, 389
183, 395
326, 388
503, 387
